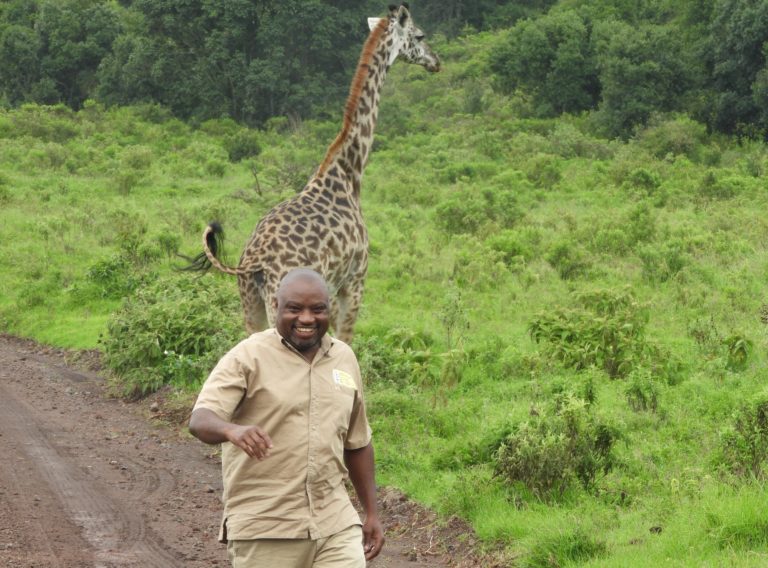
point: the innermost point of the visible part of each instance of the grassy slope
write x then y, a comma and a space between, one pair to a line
74, 194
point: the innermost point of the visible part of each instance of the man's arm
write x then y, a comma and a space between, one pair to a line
207, 427
362, 474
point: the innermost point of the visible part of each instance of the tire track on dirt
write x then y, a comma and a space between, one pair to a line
117, 537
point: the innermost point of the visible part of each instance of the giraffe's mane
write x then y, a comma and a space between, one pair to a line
355, 90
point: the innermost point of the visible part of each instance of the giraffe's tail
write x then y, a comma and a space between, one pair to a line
213, 241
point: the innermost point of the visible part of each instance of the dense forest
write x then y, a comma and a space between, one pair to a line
564, 332
252, 60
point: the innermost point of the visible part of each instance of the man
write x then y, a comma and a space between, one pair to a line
287, 406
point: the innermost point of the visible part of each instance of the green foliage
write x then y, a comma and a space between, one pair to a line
678, 136
170, 332
737, 522
552, 452
242, 144
575, 545
744, 443
113, 277
550, 57
642, 391
469, 209
605, 329
737, 36
569, 259
642, 70
738, 350
663, 261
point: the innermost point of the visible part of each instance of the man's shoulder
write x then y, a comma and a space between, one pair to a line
259, 340
339, 346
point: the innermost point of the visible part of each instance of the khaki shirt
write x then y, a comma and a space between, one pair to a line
312, 412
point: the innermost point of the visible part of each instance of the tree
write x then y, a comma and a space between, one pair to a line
550, 58
244, 59
738, 33
642, 70
50, 50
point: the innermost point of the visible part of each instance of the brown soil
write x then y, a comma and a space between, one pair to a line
87, 480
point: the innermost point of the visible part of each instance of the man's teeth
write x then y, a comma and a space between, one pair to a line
305, 329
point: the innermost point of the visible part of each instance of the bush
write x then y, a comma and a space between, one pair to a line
744, 444
662, 262
242, 144
170, 332
738, 351
394, 357
569, 260
679, 136
606, 330
642, 391
551, 453
113, 277
571, 546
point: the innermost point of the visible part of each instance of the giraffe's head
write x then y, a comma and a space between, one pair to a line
408, 39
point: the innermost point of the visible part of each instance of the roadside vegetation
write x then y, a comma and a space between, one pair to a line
563, 335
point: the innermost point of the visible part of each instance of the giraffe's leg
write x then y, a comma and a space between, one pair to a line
349, 299
333, 315
254, 310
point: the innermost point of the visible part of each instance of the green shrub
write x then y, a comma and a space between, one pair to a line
568, 259
663, 261
126, 180
113, 277
512, 247
5, 192
137, 157
544, 171
678, 136
243, 144
170, 332
738, 349
553, 451
215, 168
575, 546
744, 444
721, 187
606, 329
396, 357
642, 391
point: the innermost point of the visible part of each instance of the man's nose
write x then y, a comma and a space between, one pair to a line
306, 316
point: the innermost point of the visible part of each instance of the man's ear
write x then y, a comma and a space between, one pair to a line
274, 303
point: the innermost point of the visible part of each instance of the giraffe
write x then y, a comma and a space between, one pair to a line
322, 227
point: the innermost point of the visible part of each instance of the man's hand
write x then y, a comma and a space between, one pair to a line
208, 427
251, 439
373, 537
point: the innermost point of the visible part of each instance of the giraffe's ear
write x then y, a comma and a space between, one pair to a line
403, 15
373, 22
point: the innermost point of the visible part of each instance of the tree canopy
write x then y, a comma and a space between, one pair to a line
253, 60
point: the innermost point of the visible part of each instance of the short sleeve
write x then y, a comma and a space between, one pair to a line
227, 384
359, 433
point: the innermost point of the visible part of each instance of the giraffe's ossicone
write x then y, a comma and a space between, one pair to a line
322, 227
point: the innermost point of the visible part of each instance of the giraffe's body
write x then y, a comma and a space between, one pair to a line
322, 227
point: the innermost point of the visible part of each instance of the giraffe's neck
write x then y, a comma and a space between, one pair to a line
350, 150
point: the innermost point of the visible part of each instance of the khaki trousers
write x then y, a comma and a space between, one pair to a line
341, 550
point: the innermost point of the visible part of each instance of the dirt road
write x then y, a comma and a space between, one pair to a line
91, 481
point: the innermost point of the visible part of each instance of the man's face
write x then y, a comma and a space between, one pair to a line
302, 313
